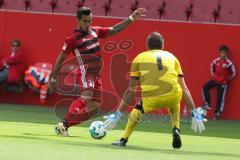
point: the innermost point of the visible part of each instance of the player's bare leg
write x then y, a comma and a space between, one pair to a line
79, 111
93, 107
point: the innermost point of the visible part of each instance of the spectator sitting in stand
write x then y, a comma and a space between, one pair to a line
12, 67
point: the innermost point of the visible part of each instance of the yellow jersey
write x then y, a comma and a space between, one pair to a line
158, 71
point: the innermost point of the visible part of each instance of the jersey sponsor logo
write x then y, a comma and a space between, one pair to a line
86, 42
84, 39
94, 45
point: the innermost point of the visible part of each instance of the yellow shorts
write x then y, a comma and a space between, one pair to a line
153, 103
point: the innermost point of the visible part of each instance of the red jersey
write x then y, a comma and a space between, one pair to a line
16, 67
86, 48
222, 70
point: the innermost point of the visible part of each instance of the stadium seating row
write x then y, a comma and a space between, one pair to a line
222, 11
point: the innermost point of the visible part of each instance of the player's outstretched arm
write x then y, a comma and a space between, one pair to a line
122, 25
198, 113
187, 97
52, 83
112, 119
129, 94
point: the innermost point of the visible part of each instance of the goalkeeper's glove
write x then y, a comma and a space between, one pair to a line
112, 120
198, 119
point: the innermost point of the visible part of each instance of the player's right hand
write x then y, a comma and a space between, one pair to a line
140, 12
198, 119
112, 120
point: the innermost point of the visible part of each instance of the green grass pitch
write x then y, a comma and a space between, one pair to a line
26, 132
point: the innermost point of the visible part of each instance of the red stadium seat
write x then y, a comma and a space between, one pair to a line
175, 10
121, 8
152, 7
14, 5
40, 6
203, 10
96, 6
35, 5
66, 6
230, 11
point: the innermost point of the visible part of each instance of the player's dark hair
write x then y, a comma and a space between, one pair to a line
83, 11
223, 48
155, 41
16, 41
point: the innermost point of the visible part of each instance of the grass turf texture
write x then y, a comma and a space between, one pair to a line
26, 132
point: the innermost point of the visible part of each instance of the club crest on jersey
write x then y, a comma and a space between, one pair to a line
224, 65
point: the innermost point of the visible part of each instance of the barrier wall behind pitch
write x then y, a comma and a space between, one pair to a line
195, 45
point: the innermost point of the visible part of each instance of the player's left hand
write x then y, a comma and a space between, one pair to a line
112, 120
198, 119
140, 12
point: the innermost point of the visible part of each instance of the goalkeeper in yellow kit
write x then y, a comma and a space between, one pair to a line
160, 77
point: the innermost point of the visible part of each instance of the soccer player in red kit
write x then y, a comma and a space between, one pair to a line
83, 42
222, 71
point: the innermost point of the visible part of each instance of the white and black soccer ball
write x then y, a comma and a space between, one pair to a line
97, 130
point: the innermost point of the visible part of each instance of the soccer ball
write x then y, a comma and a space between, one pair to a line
97, 130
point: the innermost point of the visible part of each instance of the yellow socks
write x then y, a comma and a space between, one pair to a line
133, 119
175, 115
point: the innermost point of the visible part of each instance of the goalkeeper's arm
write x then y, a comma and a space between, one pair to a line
197, 114
112, 119
187, 97
129, 94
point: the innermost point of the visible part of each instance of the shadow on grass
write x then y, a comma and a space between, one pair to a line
44, 115
26, 136
41, 135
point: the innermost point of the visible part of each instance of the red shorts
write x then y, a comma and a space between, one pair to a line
94, 83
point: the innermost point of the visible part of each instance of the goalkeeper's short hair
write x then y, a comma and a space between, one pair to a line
155, 41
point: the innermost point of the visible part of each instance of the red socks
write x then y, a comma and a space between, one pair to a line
77, 113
